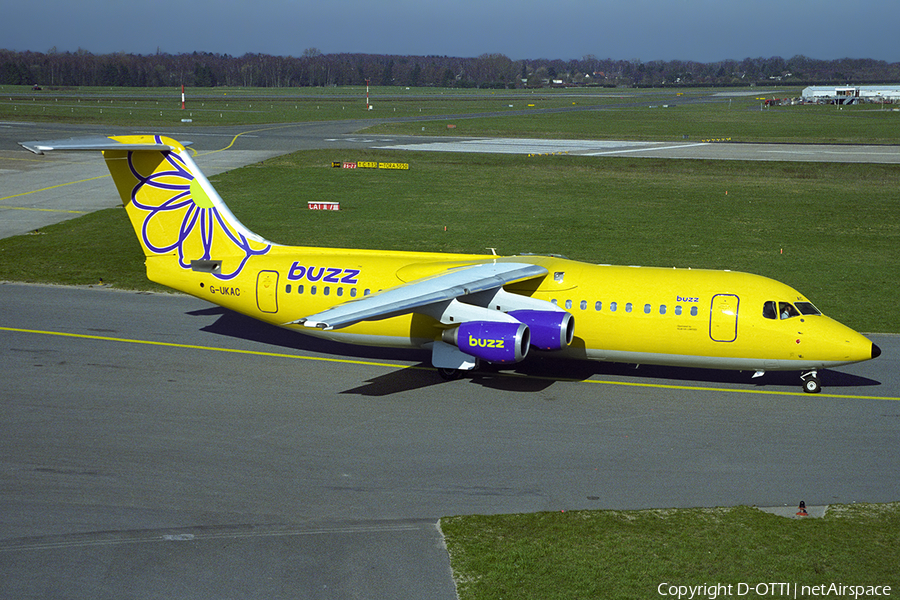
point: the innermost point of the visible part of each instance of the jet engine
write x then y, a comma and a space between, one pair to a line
491, 341
550, 330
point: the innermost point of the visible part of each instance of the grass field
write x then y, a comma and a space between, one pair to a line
739, 121
238, 106
792, 222
631, 554
593, 113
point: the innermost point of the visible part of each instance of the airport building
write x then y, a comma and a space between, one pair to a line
850, 94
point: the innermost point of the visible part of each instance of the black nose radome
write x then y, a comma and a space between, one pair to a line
876, 351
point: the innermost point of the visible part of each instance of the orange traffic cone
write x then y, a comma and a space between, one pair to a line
802, 512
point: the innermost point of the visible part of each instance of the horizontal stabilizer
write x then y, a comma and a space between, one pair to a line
98, 143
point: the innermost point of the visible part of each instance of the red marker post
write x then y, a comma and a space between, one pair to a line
182, 96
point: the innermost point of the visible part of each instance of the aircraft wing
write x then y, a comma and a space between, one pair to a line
430, 290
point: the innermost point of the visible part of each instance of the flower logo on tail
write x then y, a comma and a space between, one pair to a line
181, 216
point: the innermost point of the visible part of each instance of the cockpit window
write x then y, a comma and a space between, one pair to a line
806, 308
786, 310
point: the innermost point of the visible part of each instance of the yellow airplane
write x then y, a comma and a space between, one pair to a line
465, 307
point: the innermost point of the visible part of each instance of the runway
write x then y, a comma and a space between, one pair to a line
156, 445
707, 150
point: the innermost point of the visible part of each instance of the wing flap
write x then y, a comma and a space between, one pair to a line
407, 297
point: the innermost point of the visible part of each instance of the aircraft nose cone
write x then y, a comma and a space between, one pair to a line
876, 351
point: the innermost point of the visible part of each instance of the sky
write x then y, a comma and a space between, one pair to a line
646, 30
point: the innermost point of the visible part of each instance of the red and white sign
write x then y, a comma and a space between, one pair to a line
324, 205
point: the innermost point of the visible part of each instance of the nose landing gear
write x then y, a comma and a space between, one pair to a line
811, 382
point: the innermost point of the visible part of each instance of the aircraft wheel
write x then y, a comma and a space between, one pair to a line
811, 385
449, 374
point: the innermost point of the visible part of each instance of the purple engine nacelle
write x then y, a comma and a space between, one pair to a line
491, 341
550, 330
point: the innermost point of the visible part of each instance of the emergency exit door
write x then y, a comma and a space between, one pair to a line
723, 316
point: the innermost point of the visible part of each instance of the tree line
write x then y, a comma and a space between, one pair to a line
313, 68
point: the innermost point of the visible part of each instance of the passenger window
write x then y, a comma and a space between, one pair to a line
613, 306
678, 310
662, 309
568, 304
647, 309
628, 307
327, 290
693, 311
554, 302
769, 311
367, 292
299, 289
353, 292
287, 289
598, 306
584, 305
312, 290
787, 310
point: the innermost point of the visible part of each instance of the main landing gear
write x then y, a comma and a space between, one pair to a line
449, 374
811, 382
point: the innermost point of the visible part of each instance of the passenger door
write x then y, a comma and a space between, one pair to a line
723, 316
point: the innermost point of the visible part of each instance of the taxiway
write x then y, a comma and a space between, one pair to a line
157, 445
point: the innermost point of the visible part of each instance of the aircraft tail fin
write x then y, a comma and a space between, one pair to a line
174, 209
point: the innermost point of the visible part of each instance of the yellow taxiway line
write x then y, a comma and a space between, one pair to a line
52, 187
349, 361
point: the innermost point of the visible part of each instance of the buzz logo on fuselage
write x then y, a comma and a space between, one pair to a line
314, 274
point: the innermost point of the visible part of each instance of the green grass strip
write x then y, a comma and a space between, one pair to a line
830, 230
631, 554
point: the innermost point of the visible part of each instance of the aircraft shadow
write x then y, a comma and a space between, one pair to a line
535, 374
552, 368
424, 375
538, 374
419, 375
695, 376
236, 325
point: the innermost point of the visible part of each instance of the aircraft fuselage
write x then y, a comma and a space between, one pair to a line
647, 315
